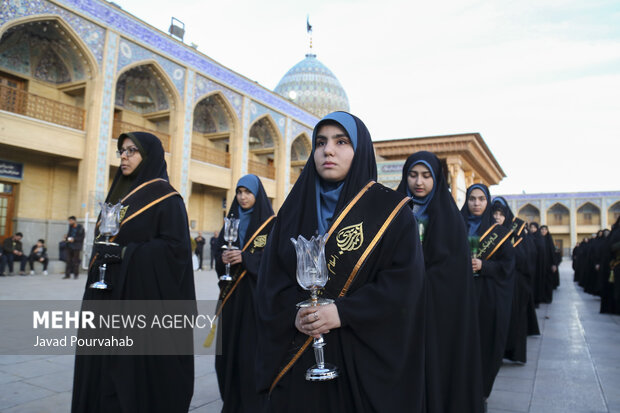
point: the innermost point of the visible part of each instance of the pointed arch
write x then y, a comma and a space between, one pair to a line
558, 214
613, 213
529, 213
214, 123
87, 57
588, 214
264, 143
155, 117
300, 151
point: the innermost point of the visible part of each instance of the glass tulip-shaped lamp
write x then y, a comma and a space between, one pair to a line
231, 231
109, 225
312, 275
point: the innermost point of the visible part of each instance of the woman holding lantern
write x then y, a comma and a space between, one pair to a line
374, 330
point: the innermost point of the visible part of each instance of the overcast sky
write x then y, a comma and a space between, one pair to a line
538, 79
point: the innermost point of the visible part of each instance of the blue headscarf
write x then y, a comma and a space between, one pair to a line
327, 193
420, 204
251, 183
473, 221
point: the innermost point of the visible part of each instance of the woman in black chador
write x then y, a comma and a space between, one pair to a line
235, 361
555, 258
493, 268
374, 332
543, 263
152, 262
454, 380
522, 299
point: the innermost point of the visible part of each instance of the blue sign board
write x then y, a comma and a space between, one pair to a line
11, 170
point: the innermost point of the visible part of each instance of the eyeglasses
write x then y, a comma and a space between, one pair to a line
129, 151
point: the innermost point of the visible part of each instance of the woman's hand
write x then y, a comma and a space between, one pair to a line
315, 321
232, 257
476, 264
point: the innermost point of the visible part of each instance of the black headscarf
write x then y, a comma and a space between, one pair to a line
500, 204
260, 211
452, 313
153, 165
482, 222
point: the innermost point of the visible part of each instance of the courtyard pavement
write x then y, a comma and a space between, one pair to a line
573, 367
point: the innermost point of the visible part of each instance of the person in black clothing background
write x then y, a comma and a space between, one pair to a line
12, 251
38, 253
200, 245
213, 247
75, 241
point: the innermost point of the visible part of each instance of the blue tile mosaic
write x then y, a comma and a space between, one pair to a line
110, 16
245, 136
187, 137
91, 34
297, 129
257, 110
106, 113
204, 86
131, 53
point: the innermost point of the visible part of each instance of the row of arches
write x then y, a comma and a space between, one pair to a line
558, 214
44, 64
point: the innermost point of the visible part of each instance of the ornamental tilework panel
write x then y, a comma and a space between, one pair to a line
91, 34
244, 136
298, 129
204, 86
287, 154
187, 136
106, 113
581, 202
110, 16
131, 53
257, 110
548, 203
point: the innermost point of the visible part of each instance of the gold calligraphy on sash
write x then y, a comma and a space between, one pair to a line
350, 238
260, 241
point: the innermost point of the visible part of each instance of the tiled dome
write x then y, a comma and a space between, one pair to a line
311, 85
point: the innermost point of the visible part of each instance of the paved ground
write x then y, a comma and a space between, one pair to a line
574, 367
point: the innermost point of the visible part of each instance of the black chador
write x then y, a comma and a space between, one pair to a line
522, 299
494, 284
235, 361
155, 264
543, 262
376, 279
453, 373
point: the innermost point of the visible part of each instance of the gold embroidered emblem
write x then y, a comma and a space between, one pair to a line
260, 241
350, 238
122, 212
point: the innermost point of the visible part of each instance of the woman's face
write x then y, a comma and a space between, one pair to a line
477, 202
420, 181
245, 198
499, 217
129, 163
333, 153
544, 231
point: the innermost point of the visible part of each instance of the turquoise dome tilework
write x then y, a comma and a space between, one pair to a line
311, 85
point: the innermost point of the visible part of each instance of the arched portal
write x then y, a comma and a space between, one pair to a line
558, 214
263, 142
613, 213
212, 130
143, 102
529, 213
44, 71
588, 214
300, 151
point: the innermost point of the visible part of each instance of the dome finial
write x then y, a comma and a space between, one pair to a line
309, 31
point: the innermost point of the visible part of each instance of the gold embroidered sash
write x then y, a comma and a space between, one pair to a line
356, 234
